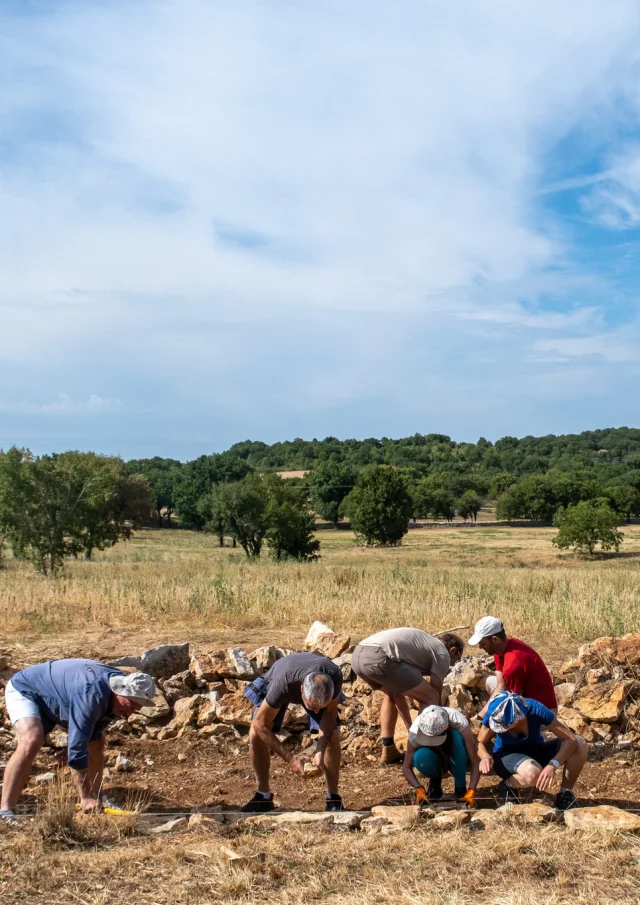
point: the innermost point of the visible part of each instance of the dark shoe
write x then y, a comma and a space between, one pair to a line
258, 805
566, 800
334, 803
390, 755
511, 796
435, 791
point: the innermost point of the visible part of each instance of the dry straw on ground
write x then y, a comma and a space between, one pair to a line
435, 579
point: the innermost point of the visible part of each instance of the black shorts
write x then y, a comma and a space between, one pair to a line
507, 761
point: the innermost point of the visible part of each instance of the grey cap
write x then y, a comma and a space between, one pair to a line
137, 686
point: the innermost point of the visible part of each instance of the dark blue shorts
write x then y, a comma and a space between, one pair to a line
506, 762
256, 692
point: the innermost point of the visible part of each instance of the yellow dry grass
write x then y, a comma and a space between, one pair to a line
534, 866
180, 585
436, 579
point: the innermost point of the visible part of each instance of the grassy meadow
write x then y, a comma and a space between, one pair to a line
438, 578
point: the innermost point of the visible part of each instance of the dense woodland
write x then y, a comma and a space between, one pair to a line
527, 478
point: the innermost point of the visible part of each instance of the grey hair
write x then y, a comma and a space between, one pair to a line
318, 687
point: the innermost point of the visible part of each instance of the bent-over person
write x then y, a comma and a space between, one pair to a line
82, 696
404, 661
315, 682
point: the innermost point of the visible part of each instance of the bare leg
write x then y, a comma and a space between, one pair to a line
388, 716
575, 763
332, 762
260, 760
425, 693
30, 734
526, 775
96, 765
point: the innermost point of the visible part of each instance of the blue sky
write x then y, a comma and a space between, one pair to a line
235, 219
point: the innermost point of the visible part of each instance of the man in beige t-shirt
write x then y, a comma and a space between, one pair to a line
404, 661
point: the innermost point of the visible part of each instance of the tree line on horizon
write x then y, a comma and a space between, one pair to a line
67, 504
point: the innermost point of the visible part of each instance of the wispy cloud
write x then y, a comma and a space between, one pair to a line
266, 204
65, 405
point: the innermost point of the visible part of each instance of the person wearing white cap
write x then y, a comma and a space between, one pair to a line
440, 740
83, 696
518, 667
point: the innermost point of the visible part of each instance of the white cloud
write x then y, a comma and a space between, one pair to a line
615, 201
382, 162
65, 405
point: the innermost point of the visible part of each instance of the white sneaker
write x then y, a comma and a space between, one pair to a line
9, 817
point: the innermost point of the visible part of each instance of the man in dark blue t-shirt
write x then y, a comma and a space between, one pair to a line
83, 696
521, 756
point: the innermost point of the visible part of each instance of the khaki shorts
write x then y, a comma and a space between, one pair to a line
379, 671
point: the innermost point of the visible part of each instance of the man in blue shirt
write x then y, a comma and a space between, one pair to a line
521, 756
83, 696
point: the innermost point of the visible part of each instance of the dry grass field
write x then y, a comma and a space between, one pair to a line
173, 586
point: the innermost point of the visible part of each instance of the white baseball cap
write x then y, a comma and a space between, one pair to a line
484, 628
137, 686
431, 726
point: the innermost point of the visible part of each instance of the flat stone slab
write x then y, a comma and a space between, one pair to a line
602, 817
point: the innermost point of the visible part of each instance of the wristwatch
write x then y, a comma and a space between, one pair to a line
554, 763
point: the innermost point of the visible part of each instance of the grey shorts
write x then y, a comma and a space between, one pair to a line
378, 670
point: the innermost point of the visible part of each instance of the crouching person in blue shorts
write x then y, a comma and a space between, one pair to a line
521, 756
315, 682
440, 741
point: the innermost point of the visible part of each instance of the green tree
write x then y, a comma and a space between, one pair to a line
290, 534
56, 506
625, 499
469, 505
379, 506
163, 476
586, 524
196, 480
329, 483
242, 508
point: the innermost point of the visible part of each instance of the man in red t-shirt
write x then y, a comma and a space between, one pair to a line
518, 667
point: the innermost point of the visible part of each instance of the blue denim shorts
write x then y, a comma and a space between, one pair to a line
256, 692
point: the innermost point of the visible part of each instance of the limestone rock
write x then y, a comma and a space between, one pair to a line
123, 764
624, 651
449, 820
402, 815
602, 817
535, 812
263, 659
181, 685
207, 666
575, 721
565, 693
157, 710
186, 711
460, 699
45, 778
347, 820
234, 708
283, 652
469, 672
295, 718
291, 818
311, 771
604, 704
166, 660
373, 824
171, 826
323, 640
237, 664
344, 663
371, 708
362, 745
361, 688
596, 675
205, 821
166, 733
134, 663
208, 714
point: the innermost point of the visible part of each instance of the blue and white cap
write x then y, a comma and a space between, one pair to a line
506, 709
